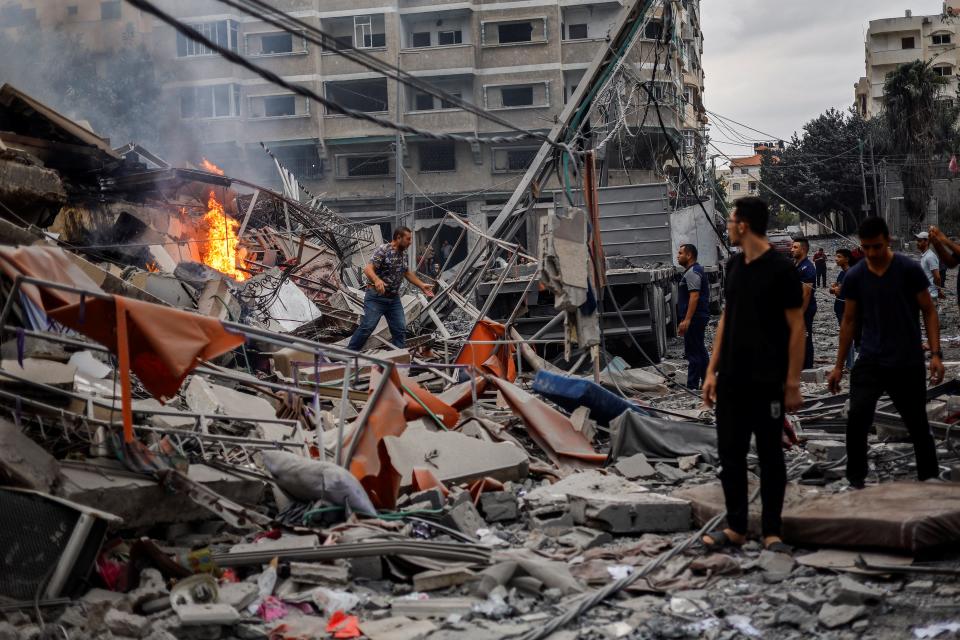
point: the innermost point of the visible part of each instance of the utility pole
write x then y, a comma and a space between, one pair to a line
863, 179
876, 190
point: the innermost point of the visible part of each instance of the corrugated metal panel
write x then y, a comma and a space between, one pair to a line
635, 223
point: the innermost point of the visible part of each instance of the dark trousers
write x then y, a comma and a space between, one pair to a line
741, 413
696, 351
375, 307
821, 277
808, 350
907, 389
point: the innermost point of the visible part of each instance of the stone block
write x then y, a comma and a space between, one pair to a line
429, 499
850, 591
319, 573
440, 608
634, 467
828, 450
442, 579
670, 473
499, 506
465, 518
806, 601
813, 376
126, 624
584, 538
833, 616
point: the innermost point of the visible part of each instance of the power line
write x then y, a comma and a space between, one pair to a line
194, 35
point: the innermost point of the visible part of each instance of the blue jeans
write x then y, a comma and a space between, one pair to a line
852, 354
375, 307
696, 351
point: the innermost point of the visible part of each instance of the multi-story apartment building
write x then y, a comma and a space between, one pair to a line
891, 42
101, 26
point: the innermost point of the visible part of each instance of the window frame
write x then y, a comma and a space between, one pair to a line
458, 38
453, 156
586, 32
485, 24
941, 36
186, 48
506, 151
233, 99
387, 157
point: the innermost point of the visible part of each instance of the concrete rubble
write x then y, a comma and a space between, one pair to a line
243, 475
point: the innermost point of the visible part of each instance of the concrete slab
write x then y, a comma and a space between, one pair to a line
106, 485
49, 372
212, 399
397, 628
24, 463
433, 608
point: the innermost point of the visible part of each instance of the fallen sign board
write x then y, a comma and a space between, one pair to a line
895, 516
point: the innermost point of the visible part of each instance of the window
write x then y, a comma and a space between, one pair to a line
510, 32
423, 102
362, 95
110, 10
438, 156
364, 166
213, 101
344, 42
735, 186
943, 72
907, 43
72, 10
516, 96
941, 38
577, 32
222, 32
444, 104
752, 186
303, 160
276, 43
373, 40
278, 106
653, 30
510, 160
448, 38
421, 39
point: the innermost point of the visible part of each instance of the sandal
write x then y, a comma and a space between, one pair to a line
720, 541
780, 547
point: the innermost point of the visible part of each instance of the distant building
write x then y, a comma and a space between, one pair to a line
891, 42
101, 26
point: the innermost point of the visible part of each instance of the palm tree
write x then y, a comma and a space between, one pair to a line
919, 125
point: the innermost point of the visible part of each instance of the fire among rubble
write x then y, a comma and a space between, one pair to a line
209, 166
221, 250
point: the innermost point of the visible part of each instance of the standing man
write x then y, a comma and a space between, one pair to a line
445, 250
808, 276
694, 309
820, 262
931, 265
754, 374
887, 291
948, 251
386, 271
843, 259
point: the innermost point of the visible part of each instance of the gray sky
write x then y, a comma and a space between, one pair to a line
775, 64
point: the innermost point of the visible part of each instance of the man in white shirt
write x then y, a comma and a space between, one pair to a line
931, 265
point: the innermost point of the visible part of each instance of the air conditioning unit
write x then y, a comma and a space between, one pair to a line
49, 544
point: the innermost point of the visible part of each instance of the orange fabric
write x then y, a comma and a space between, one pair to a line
343, 626
481, 356
165, 344
414, 410
424, 479
550, 429
371, 461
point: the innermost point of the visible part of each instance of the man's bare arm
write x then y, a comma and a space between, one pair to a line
807, 296
932, 322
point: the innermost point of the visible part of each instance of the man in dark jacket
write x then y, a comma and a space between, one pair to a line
693, 310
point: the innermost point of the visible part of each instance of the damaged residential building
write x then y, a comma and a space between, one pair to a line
519, 60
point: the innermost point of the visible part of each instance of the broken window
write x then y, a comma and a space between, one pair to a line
941, 38
110, 10
212, 101
364, 165
421, 39
514, 32
448, 38
653, 30
279, 106
752, 187
907, 43
362, 95
221, 32
510, 160
444, 104
423, 102
577, 32
301, 159
516, 96
438, 156
276, 43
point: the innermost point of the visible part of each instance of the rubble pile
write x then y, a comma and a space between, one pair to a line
187, 450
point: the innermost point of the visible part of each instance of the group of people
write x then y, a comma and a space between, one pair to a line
763, 342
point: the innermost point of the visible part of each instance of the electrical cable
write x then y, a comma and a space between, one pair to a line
230, 55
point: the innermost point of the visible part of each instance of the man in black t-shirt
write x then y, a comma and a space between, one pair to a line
887, 292
754, 374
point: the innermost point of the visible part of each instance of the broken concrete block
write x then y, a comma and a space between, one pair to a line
217, 301
429, 499
211, 399
442, 579
238, 595
833, 616
827, 450
920, 586
162, 421
813, 376
850, 591
613, 504
776, 566
165, 287
793, 616
128, 625
454, 457
283, 543
465, 518
319, 573
671, 474
24, 463
35, 370
634, 467
499, 506
366, 568
937, 410
552, 520
397, 628
207, 614
805, 600
584, 538
441, 608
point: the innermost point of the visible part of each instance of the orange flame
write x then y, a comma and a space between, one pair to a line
221, 251
212, 168
152, 266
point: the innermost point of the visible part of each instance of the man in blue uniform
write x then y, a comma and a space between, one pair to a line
693, 311
808, 276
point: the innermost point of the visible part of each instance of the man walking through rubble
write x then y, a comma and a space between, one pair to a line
887, 292
694, 309
754, 374
843, 258
808, 276
386, 271
820, 262
931, 265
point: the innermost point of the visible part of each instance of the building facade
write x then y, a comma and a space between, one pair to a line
891, 42
100, 26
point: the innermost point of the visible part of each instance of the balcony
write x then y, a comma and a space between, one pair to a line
461, 56
895, 56
442, 121
896, 25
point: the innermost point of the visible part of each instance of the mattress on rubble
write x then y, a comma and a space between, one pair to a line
901, 516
